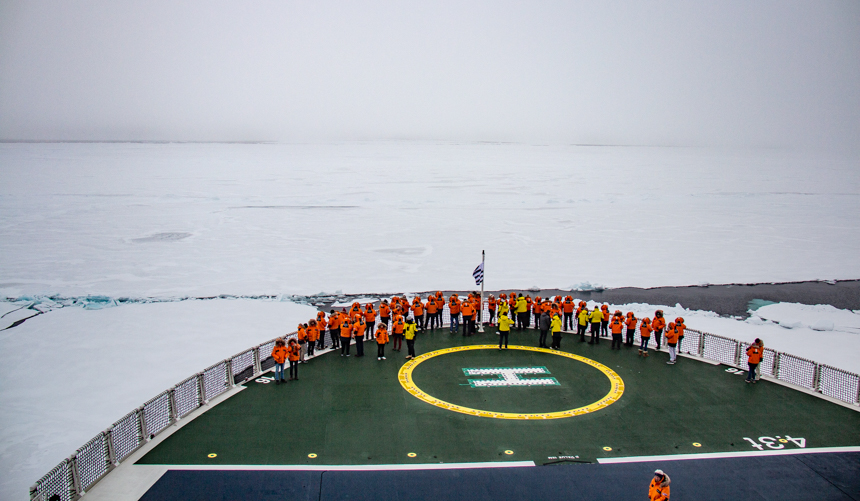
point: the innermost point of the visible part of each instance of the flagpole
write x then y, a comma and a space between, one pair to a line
481, 306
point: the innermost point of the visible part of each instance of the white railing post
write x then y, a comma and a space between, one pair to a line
776, 357
229, 371
171, 403
76, 478
111, 448
258, 369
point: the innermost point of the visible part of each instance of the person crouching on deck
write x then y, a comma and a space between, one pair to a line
381, 339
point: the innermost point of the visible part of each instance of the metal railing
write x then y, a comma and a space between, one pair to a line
79, 472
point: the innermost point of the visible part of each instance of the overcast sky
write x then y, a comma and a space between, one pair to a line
763, 73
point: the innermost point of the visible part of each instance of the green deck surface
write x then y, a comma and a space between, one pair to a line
353, 411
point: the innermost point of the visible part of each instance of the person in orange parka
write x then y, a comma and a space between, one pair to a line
672, 342
418, 312
454, 311
467, 308
322, 323
568, 306
679, 324
754, 354
345, 336
491, 306
645, 334
657, 326
440, 308
369, 321
302, 336
381, 340
659, 488
616, 325
313, 336
630, 323
294, 353
397, 328
430, 306
536, 308
384, 312
334, 321
279, 353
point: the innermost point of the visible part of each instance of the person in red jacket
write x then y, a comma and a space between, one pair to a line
279, 353
313, 336
454, 311
294, 353
418, 312
604, 324
754, 354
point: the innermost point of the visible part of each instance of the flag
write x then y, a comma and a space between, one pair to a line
479, 274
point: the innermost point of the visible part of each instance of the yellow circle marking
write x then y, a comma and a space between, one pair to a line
509, 452
212, 455
783, 440
615, 392
696, 444
412, 454
607, 449
312, 455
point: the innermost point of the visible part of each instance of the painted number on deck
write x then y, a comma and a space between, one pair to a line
264, 379
777, 442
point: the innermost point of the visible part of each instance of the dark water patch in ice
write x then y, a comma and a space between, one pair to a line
405, 251
162, 237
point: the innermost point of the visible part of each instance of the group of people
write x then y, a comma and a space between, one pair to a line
399, 319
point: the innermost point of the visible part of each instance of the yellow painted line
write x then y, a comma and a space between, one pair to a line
615, 391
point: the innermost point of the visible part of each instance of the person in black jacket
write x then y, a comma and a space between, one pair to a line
544, 324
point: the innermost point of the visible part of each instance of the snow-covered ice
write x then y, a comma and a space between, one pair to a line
71, 373
208, 219
109, 222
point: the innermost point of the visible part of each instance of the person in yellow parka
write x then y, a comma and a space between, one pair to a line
409, 334
596, 317
555, 327
582, 323
522, 311
505, 324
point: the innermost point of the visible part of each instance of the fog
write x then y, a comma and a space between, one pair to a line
738, 73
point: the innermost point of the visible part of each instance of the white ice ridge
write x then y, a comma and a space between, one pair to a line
510, 376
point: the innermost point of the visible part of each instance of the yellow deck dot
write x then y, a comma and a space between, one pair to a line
212, 455
784, 441
412, 454
509, 452
312, 455
696, 444
607, 449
